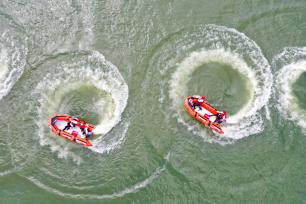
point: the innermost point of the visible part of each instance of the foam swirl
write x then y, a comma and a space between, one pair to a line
95, 72
203, 45
291, 64
12, 61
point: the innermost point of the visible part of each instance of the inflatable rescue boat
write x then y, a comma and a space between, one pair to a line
205, 114
58, 124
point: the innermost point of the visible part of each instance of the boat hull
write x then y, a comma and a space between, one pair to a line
207, 110
57, 123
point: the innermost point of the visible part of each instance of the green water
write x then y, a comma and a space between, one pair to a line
222, 85
127, 67
299, 91
83, 102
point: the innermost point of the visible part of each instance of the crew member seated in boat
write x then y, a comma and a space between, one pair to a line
220, 117
72, 122
84, 128
68, 126
197, 101
75, 121
89, 134
74, 134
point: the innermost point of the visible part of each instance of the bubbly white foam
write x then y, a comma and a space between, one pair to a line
102, 146
292, 64
12, 62
3, 62
13, 54
227, 46
94, 70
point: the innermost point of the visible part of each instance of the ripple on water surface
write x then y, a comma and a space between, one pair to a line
13, 54
86, 85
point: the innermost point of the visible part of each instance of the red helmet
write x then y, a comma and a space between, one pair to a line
222, 114
82, 125
77, 119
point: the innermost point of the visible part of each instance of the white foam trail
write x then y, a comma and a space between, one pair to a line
94, 70
101, 146
12, 62
245, 58
4, 173
132, 189
4, 81
66, 182
268, 114
292, 62
87, 12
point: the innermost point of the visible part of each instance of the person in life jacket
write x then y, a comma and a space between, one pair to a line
89, 134
197, 101
85, 130
74, 135
220, 117
73, 122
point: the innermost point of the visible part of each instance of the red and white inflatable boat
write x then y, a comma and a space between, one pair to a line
204, 113
58, 122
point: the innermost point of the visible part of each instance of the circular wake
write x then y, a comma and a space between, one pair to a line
131, 189
292, 66
13, 54
85, 85
186, 52
91, 88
